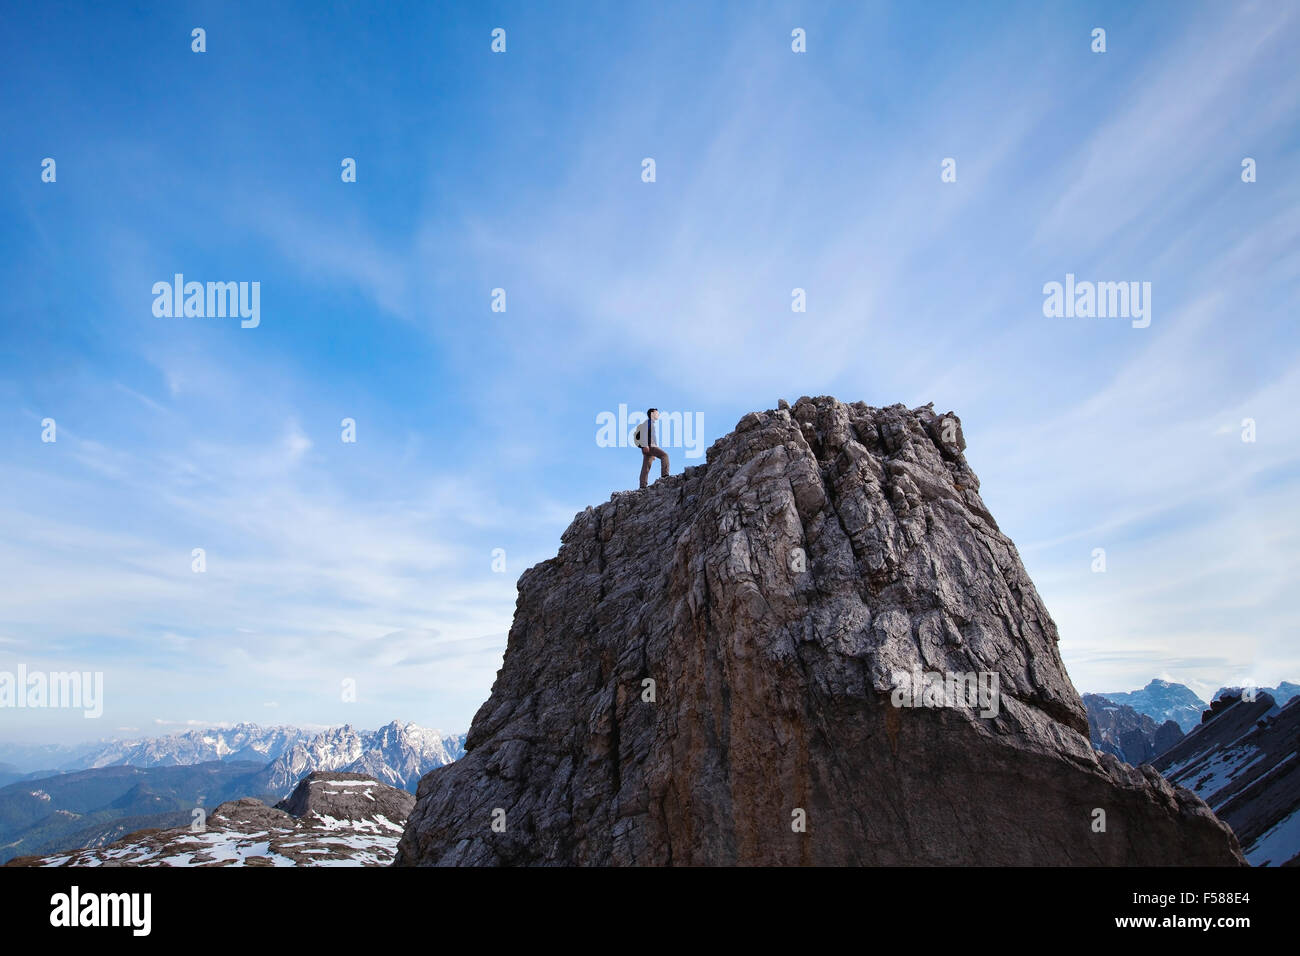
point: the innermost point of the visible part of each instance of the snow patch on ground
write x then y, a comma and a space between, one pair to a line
1276, 845
1211, 776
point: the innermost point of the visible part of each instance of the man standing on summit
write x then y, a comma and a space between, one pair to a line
645, 440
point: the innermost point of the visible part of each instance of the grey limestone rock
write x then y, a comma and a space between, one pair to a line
778, 597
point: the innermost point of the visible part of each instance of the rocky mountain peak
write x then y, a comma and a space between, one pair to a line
815, 648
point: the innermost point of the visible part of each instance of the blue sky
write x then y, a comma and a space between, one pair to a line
372, 561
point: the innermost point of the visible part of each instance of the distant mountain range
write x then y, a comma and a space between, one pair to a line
401, 747
11, 774
86, 808
1162, 700
1120, 730
241, 742
245, 741
395, 754
156, 782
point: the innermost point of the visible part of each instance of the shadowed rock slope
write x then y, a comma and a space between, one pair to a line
1120, 730
1242, 761
775, 596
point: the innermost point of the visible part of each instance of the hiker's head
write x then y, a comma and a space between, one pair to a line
652, 413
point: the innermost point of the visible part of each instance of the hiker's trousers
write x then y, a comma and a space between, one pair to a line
648, 455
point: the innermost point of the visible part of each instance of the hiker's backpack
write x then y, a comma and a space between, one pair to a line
639, 436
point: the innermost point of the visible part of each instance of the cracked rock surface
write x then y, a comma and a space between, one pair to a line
711, 661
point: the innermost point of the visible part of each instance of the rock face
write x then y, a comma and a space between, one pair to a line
330, 819
786, 599
1120, 730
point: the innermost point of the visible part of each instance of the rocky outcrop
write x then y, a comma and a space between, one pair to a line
1120, 730
331, 819
718, 670
350, 797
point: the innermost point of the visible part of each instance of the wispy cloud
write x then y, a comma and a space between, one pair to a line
371, 561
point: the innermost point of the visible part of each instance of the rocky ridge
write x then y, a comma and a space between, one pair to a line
1243, 761
330, 819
